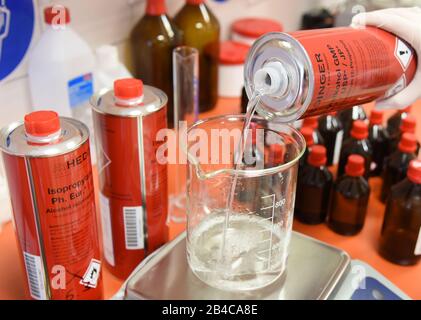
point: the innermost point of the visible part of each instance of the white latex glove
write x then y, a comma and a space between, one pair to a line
406, 24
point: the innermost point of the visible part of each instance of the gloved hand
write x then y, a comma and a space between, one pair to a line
404, 23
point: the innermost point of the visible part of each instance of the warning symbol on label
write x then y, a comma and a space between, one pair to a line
397, 87
91, 275
403, 53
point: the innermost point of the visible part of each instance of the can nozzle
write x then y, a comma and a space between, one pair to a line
272, 79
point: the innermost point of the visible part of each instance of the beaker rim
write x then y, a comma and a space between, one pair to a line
295, 135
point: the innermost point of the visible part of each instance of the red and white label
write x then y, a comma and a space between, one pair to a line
91, 276
403, 53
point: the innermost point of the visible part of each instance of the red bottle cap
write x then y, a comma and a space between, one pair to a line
376, 117
414, 171
255, 27
233, 53
307, 133
276, 154
195, 2
359, 130
311, 122
129, 88
56, 15
42, 123
405, 110
355, 166
333, 113
408, 143
156, 7
317, 156
408, 124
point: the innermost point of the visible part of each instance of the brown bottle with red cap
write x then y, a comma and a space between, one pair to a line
357, 143
313, 188
397, 163
313, 122
394, 122
349, 200
308, 134
330, 128
201, 30
400, 240
348, 116
408, 125
378, 138
152, 41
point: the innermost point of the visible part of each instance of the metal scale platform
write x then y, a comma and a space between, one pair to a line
315, 271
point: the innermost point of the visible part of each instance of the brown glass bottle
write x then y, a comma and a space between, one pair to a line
396, 165
331, 130
400, 240
348, 116
313, 123
308, 134
313, 188
408, 125
201, 30
152, 41
357, 143
349, 199
378, 137
394, 122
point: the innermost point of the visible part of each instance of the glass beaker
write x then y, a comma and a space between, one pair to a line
245, 246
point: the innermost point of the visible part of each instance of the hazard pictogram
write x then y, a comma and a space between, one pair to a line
403, 53
397, 87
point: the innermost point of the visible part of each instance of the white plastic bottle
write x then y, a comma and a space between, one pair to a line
109, 67
61, 68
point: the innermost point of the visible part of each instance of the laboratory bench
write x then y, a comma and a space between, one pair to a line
362, 246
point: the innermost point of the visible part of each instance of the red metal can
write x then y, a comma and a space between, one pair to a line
49, 172
315, 72
133, 184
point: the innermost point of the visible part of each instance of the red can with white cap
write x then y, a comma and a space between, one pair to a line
248, 30
48, 166
132, 182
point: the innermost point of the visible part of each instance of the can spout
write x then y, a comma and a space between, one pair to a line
271, 79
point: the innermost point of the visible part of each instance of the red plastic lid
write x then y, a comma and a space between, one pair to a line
232, 52
408, 124
311, 122
42, 123
307, 133
255, 27
57, 15
405, 110
359, 130
317, 156
195, 1
129, 88
414, 171
376, 117
408, 143
355, 166
156, 7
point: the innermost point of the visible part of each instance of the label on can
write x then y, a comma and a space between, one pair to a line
54, 210
355, 66
134, 183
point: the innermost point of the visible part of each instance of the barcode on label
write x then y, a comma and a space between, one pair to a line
35, 275
417, 251
133, 227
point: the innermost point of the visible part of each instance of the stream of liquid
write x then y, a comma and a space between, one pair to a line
238, 165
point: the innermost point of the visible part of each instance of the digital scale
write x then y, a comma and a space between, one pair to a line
315, 271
